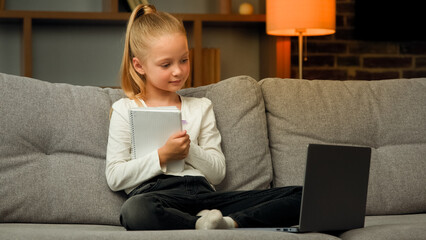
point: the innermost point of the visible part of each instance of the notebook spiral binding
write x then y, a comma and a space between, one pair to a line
132, 129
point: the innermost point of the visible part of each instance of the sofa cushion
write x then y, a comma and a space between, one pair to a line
78, 231
53, 140
240, 116
388, 116
391, 227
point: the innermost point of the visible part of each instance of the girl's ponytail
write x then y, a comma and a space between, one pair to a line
132, 82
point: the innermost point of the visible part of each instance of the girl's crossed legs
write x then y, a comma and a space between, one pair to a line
169, 202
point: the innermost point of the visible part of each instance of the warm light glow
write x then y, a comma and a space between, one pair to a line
290, 17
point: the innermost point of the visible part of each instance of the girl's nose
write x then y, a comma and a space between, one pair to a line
176, 71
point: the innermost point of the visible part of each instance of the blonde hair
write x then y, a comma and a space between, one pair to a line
145, 25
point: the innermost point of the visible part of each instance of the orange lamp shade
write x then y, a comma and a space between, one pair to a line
291, 17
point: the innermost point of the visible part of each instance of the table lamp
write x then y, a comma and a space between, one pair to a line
300, 18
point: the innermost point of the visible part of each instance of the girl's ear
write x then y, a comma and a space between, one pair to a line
138, 66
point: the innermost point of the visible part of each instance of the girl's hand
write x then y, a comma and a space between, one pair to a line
176, 148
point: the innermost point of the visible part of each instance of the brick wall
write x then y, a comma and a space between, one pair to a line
341, 57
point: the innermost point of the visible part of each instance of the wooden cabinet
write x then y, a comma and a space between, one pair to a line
273, 53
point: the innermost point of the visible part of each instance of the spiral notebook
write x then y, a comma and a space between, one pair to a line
151, 127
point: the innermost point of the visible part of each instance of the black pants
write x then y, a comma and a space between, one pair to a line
170, 202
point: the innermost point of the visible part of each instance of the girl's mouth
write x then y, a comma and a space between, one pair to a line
175, 82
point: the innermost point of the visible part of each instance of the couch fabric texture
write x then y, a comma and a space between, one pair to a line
388, 116
53, 141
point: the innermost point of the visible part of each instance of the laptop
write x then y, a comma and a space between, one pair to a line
335, 189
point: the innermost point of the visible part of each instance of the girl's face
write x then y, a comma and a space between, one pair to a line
166, 66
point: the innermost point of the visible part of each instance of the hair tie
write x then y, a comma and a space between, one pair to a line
148, 9
145, 9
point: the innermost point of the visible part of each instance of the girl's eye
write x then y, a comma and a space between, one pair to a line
184, 60
166, 65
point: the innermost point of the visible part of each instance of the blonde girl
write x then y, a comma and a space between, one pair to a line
155, 66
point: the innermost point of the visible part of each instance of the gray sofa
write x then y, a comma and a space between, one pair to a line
53, 140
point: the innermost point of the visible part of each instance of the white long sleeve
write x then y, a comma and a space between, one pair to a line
205, 156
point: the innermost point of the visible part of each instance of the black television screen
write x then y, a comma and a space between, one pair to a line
387, 20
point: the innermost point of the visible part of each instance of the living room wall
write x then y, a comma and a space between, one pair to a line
341, 56
89, 52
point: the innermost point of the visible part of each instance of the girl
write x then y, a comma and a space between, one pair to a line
155, 65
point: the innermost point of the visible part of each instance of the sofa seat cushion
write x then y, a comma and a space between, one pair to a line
240, 117
76, 231
391, 227
388, 116
53, 141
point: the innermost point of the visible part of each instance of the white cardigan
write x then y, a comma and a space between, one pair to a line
205, 156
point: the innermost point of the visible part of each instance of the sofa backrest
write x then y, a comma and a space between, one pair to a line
240, 117
388, 116
53, 141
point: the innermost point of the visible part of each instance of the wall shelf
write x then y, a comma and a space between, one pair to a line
274, 52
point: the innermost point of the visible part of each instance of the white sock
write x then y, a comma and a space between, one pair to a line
230, 222
213, 219
203, 212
